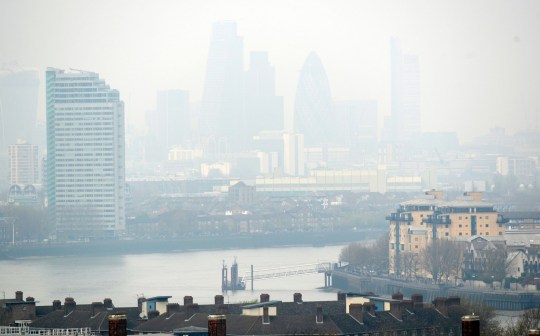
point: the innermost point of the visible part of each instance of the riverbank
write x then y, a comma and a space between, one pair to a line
123, 247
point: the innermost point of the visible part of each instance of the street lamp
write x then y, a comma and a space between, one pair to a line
473, 276
492, 284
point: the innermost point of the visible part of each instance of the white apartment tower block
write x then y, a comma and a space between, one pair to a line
85, 155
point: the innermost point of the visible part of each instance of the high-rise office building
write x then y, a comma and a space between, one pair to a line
169, 125
405, 82
313, 104
18, 107
23, 163
263, 109
85, 155
221, 107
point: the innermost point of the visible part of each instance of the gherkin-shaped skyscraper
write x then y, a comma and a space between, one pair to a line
313, 104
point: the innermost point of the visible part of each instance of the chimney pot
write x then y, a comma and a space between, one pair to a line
29, 299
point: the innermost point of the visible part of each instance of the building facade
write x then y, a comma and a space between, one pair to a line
417, 223
23, 163
85, 155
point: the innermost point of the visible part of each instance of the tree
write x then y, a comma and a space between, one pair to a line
529, 320
443, 259
409, 264
496, 264
365, 256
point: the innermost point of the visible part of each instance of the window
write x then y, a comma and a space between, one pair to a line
459, 225
487, 225
416, 246
460, 234
392, 246
500, 233
459, 218
487, 233
446, 233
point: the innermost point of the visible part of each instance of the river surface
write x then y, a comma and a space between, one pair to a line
197, 273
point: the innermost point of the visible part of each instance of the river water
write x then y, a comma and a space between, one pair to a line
197, 273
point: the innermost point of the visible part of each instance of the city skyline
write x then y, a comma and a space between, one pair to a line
463, 65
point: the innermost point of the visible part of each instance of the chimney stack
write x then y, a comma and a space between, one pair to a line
297, 297
56, 305
395, 310
217, 325
29, 299
107, 303
265, 298
219, 300
188, 300
470, 325
69, 305
18, 295
117, 325
356, 310
266, 316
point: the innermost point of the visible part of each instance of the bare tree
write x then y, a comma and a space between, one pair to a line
529, 320
370, 257
443, 259
409, 264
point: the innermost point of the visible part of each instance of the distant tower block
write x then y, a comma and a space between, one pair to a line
217, 325
470, 325
117, 325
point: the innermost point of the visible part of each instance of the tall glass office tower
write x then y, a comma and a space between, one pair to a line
313, 104
85, 155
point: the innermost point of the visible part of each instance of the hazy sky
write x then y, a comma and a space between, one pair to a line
480, 60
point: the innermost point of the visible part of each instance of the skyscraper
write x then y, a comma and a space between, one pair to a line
313, 103
263, 109
221, 106
293, 152
357, 122
405, 84
23, 163
85, 155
